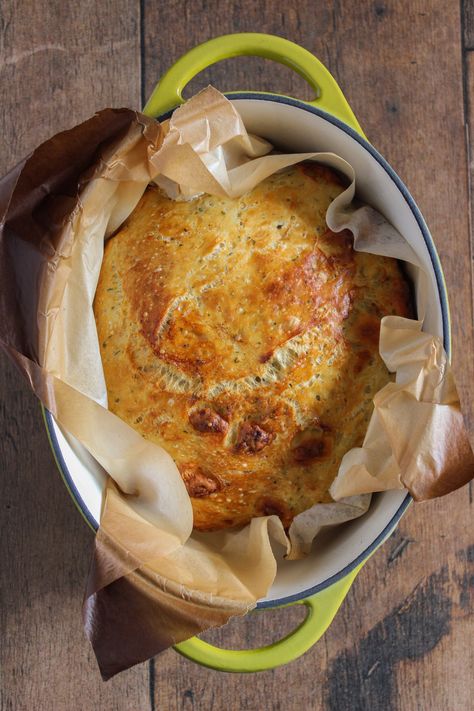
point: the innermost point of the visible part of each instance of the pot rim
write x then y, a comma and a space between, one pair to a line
442, 292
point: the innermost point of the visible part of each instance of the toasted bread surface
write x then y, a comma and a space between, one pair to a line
242, 336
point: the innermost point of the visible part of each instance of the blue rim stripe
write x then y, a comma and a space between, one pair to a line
441, 284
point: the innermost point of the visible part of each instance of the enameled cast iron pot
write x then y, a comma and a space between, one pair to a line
322, 580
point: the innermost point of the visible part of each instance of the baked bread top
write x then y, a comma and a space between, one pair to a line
242, 336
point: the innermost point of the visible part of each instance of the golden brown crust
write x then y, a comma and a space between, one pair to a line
242, 336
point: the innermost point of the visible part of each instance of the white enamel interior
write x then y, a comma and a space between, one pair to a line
295, 129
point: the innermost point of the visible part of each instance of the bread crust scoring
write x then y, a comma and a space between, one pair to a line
242, 336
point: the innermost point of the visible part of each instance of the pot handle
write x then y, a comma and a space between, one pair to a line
167, 94
322, 608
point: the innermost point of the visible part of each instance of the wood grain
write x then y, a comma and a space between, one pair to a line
59, 64
403, 638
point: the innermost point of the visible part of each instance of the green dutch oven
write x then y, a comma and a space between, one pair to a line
322, 580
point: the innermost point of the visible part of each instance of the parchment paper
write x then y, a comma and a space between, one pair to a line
153, 582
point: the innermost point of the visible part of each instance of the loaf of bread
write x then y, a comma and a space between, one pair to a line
242, 336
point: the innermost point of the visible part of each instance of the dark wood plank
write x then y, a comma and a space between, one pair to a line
403, 637
45, 546
60, 62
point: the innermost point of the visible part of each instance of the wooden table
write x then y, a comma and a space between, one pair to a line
403, 639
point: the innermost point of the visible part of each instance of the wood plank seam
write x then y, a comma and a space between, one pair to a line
143, 97
151, 683
465, 51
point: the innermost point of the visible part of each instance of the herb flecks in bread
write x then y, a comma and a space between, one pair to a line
242, 336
